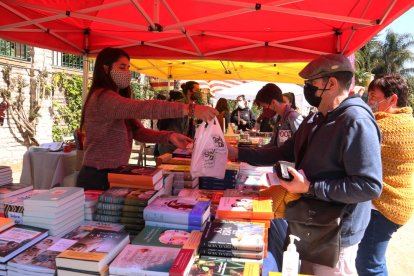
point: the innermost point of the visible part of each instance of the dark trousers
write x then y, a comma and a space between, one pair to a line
91, 178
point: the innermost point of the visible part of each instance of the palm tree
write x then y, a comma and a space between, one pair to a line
366, 59
393, 53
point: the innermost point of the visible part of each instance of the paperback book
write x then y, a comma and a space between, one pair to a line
135, 174
178, 210
163, 237
12, 189
55, 197
144, 260
224, 267
245, 207
237, 236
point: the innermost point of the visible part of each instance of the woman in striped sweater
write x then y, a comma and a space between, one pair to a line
110, 119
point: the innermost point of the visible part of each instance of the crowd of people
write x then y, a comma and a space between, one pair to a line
346, 152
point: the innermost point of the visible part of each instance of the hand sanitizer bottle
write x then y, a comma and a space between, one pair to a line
291, 258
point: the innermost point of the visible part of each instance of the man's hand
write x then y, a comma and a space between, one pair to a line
233, 152
243, 122
179, 140
299, 183
205, 113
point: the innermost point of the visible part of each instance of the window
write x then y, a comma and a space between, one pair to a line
14, 50
70, 61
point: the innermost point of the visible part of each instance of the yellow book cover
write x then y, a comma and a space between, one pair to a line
194, 240
78, 255
251, 269
257, 208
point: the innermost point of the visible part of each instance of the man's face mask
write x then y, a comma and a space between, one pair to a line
310, 90
121, 78
268, 112
241, 104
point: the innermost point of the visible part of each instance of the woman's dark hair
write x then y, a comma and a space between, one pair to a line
268, 93
392, 84
176, 96
188, 86
102, 79
222, 105
291, 98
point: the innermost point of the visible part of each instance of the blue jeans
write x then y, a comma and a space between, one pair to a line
371, 252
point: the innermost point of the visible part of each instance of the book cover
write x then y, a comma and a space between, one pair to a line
91, 197
135, 174
18, 238
12, 189
55, 197
183, 153
163, 237
174, 225
128, 196
40, 257
224, 267
229, 253
6, 223
245, 207
182, 263
140, 259
198, 194
237, 236
138, 185
93, 251
14, 206
178, 210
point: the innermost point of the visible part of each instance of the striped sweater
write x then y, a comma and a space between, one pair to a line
111, 124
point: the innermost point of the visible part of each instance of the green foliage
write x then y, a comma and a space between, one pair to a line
70, 112
142, 91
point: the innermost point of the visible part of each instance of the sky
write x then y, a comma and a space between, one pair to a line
403, 24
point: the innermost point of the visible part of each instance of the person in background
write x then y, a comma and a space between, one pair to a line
359, 90
270, 97
336, 153
154, 122
191, 90
388, 99
289, 99
109, 119
179, 125
222, 107
242, 116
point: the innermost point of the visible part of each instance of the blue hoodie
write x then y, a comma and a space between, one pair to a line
341, 156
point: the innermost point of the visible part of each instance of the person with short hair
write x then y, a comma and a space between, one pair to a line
242, 116
336, 153
388, 99
223, 108
270, 97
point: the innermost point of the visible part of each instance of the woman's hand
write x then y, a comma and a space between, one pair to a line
205, 113
179, 140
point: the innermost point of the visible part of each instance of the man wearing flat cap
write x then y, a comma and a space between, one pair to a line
336, 152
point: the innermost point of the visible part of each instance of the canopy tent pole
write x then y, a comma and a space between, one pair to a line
85, 80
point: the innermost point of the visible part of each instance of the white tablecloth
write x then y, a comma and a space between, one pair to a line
44, 170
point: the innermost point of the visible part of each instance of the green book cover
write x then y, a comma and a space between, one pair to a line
159, 236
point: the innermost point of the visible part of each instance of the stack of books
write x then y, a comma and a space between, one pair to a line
246, 209
245, 241
6, 175
212, 183
40, 258
60, 210
91, 199
136, 177
125, 206
18, 238
9, 190
210, 195
177, 212
222, 266
183, 181
14, 206
92, 253
243, 190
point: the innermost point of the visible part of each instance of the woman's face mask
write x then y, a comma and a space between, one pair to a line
374, 105
121, 78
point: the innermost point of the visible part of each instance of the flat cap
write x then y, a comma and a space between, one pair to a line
325, 65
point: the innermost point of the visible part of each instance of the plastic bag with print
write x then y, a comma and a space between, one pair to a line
209, 155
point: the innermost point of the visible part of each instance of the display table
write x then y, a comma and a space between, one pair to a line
45, 170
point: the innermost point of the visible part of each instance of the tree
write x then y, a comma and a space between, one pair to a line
392, 54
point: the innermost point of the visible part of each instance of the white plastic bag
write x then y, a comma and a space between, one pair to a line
209, 155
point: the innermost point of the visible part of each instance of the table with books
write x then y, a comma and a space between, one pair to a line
45, 169
152, 221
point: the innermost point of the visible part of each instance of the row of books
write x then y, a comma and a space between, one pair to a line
6, 175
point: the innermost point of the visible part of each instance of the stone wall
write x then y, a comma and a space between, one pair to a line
12, 147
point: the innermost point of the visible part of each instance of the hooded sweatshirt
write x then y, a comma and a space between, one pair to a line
340, 154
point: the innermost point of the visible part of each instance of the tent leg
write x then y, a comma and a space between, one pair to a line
85, 77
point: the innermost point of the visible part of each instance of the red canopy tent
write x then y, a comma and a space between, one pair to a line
273, 31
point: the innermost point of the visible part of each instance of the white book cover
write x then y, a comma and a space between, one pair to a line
144, 260
54, 212
55, 197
